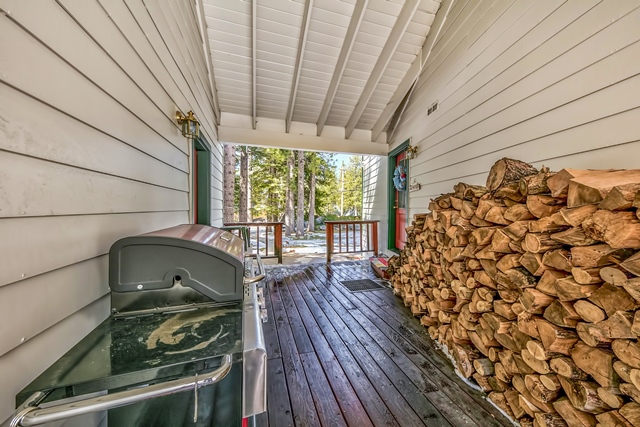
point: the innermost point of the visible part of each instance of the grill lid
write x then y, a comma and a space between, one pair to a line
178, 260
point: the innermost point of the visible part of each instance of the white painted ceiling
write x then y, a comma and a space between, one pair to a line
296, 58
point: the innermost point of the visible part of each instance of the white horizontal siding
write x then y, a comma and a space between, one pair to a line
374, 195
89, 153
547, 82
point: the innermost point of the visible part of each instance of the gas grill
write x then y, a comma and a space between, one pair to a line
183, 345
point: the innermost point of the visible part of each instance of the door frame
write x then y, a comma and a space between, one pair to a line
202, 182
391, 213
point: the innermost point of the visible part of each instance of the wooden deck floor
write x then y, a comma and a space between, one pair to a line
338, 358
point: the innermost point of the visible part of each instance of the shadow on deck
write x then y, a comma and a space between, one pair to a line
338, 358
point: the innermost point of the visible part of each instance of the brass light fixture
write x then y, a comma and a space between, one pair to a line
189, 124
412, 152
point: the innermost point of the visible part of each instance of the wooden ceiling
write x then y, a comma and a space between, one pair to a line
343, 64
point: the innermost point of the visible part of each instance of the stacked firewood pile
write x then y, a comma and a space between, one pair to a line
531, 283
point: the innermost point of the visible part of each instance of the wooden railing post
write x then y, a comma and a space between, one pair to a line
277, 236
277, 241
375, 238
329, 236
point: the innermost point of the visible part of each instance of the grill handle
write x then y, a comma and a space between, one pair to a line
261, 273
34, 415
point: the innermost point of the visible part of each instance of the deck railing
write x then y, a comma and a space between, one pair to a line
346, 237
259, 233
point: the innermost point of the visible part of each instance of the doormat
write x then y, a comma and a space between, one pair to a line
363, 285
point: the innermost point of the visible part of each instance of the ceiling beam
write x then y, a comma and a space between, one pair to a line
402, 22
289, 141
414, 71
347, 45
304, 30
254, 31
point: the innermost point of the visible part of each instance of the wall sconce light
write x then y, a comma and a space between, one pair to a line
412, 152
189, 124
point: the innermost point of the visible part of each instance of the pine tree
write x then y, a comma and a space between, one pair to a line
288, 213
229, 183
312, 162
300, 210
244, 184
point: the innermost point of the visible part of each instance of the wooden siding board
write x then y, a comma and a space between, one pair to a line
35, 245
542, 44
32, 128
76, 47
54, 296
160, 41
528, 35
63, 190
172, 40
599, 50
89, 154
119, 13
25, 57
534, 111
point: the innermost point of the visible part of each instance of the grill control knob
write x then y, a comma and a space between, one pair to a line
263, 315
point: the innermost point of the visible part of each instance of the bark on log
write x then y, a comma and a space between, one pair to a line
556, 339
561, 313
573, 237
506, 171
566, 367
596, 362
617, 229
584, 396
536, 184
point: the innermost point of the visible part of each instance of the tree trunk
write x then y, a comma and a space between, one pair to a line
300, 212
312, 199
288, 214
244, 184
229, 183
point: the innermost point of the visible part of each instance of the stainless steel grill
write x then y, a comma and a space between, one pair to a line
183, 345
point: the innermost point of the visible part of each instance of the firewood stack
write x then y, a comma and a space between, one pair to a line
532, 284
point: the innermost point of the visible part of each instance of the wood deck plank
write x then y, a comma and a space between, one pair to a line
433, 404
326, 404
359, 359
373, 403
390, 382
278, 405
349, 401
302, 406
416, 365
269, 327
303, 343
397, 319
